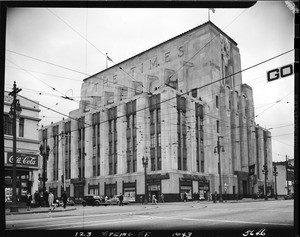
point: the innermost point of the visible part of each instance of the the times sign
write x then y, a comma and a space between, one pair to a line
23, 160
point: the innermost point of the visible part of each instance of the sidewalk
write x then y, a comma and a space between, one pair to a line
23, 210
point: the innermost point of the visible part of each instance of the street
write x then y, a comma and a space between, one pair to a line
192, 216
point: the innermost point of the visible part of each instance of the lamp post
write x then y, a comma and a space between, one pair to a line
15, 111
218, 150
275, 173
287, 176
45, 155
265, 172
145, 164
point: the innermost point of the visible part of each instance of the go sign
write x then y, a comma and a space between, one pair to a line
280, 72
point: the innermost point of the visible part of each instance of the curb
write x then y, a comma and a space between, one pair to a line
39, 211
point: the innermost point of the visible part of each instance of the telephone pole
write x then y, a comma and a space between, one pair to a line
15, 111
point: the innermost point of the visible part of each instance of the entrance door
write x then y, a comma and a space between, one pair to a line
154, 189
245, 187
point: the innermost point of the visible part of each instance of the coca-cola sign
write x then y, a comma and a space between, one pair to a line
24, 160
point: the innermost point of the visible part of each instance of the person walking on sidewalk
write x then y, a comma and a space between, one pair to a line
37, 199
121, 200
28, 201
65, 198
154, 199
51, 200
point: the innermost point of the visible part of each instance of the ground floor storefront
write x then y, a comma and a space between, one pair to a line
166, 186
26, 177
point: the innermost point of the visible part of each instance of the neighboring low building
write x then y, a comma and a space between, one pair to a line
285, 177
28, 161
172, 104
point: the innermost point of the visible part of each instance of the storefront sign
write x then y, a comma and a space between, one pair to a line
23, 160
78, 181
158, 176
194, 177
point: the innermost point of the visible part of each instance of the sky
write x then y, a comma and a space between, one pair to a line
50, 51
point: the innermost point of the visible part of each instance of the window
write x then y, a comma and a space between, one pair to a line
155, 130
21, 127
194, 93
7, 125
218, 128
217, 101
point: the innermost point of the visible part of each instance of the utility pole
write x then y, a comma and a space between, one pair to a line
145, 164
287, 179
218, 150
45, 155
275, 173
265, 171
15, 111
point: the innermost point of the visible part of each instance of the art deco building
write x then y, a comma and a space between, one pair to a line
181, 104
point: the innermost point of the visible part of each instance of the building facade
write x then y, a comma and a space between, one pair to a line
285, 177
28, 163
182, 105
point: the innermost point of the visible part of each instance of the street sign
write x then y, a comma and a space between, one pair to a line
281, 72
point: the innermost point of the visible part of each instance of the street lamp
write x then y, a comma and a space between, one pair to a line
275, 173
45, 155
145, 164
218, 150
265, 172
287, 176
15, 111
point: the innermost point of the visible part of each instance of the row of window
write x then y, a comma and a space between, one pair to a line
8, 126
131, 154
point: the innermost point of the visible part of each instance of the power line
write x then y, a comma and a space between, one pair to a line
208, 83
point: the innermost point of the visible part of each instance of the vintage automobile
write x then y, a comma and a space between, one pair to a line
92, 200
70, 202
289, 196
115, 200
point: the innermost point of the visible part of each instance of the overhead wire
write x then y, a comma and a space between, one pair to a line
121, 68
162, 101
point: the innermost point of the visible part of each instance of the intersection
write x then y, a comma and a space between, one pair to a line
191, 216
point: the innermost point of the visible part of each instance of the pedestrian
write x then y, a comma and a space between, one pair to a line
215, 197
162, 198
65, 198
209, 196
51, 200
154, 199
46, 198
121, 200
37, 199
28, 201
185, 197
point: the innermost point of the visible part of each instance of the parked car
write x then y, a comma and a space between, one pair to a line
289, 196
57, 202
115, 200
92, 200
70, 202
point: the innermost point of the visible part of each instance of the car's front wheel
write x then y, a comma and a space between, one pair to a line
84, 204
